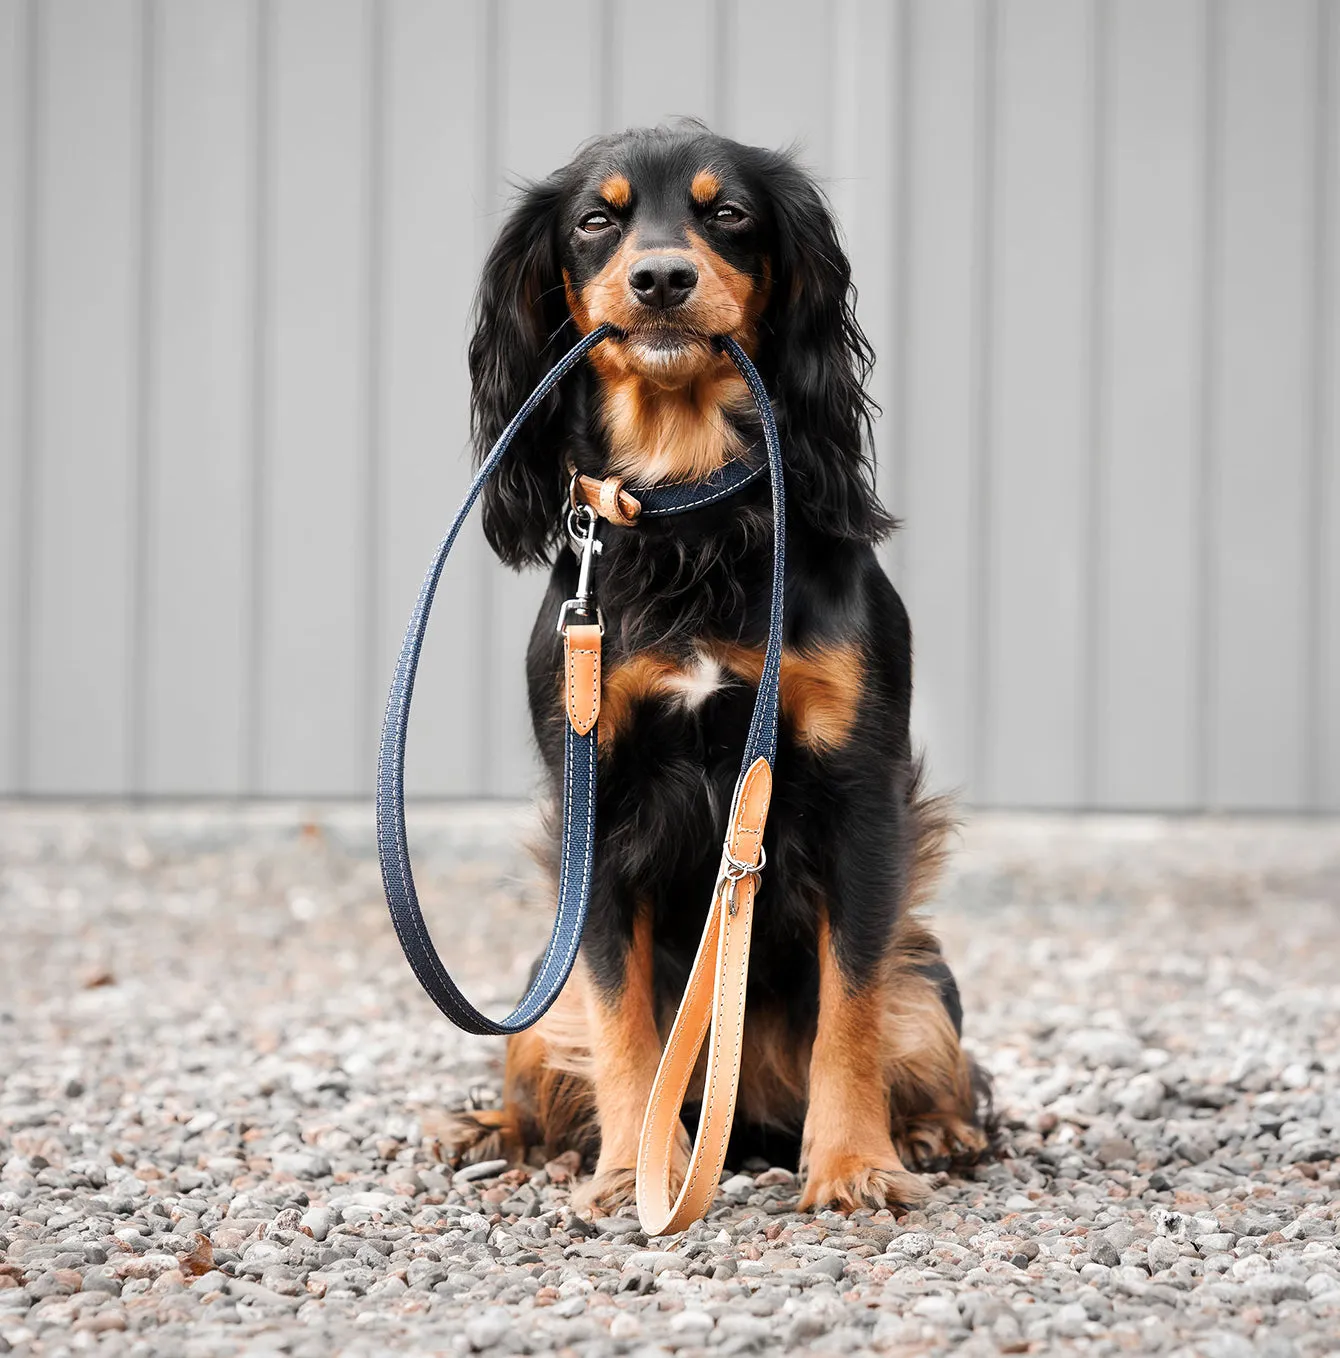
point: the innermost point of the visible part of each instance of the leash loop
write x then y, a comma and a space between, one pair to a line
579, 790
712, 1009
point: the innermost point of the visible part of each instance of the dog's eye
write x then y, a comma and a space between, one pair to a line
595, 221
728, 214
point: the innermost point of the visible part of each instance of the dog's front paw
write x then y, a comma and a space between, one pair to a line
848, 1180
943, 1142
468, 1138
613, 1187
606, 1192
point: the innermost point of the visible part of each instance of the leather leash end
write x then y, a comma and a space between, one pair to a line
581, 672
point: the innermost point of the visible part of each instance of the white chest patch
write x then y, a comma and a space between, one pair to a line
696, 683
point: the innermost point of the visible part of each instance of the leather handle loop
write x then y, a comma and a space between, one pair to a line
715, 998
581, 680
608, 498
712, 1009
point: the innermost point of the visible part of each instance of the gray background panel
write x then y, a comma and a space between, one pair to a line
1096, 249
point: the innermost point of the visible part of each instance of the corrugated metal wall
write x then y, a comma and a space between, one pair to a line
1096, 245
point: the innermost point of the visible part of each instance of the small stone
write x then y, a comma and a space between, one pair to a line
316, 1222
829, 1265
910, 1245
1115, 1149
618, 1226
1071, 1321
1103, 1251
60, 1282
102, 1278
1103, 1047
1142, 1097
198, 1260
777, 1177
655, 1262
938, 1310
301, 1164
692, 1325
485, 1169
625, 1326
1162, 1253
487, 1330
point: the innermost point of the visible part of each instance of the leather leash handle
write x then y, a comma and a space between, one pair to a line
714, 1001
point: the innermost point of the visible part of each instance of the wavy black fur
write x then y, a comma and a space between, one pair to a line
846, 828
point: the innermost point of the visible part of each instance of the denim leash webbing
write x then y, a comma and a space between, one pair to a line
579, 761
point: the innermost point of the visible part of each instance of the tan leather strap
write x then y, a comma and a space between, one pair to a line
581, 656
608, 498
713, 1000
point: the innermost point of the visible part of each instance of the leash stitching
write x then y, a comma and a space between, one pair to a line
744, 832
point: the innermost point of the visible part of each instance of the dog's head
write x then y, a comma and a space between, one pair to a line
675, 237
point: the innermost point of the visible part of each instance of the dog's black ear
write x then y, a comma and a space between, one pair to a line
522, 329
820, 360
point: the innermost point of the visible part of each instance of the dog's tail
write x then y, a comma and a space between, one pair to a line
932, 820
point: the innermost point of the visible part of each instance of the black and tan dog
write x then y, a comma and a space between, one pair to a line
852, 1061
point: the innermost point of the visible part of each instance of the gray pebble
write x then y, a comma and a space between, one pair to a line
485, 1169
487, 1330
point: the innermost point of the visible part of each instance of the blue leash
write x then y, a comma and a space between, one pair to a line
579, 755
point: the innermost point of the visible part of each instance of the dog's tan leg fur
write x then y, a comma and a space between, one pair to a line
625, 1051
847, 1152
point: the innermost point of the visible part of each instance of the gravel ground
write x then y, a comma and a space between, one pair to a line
221, 1088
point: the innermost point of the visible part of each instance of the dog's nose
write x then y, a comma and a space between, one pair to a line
662, 281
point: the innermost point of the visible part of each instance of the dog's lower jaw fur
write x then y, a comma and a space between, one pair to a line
671, 432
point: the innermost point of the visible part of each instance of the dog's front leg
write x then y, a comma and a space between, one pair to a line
847, 1151
625, 1051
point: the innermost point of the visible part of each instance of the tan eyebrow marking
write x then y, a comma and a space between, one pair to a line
617, 191
705, 187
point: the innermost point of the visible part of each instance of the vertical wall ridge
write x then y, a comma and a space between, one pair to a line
1098, 300
493, 94
1321, 337
611, 76
986, 177
900, 193
29, 432
1204, 526
722, 114
143, 536
262, 251
374, 305
1320, 739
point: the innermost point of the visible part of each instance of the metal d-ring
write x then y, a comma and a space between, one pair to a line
736, 870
